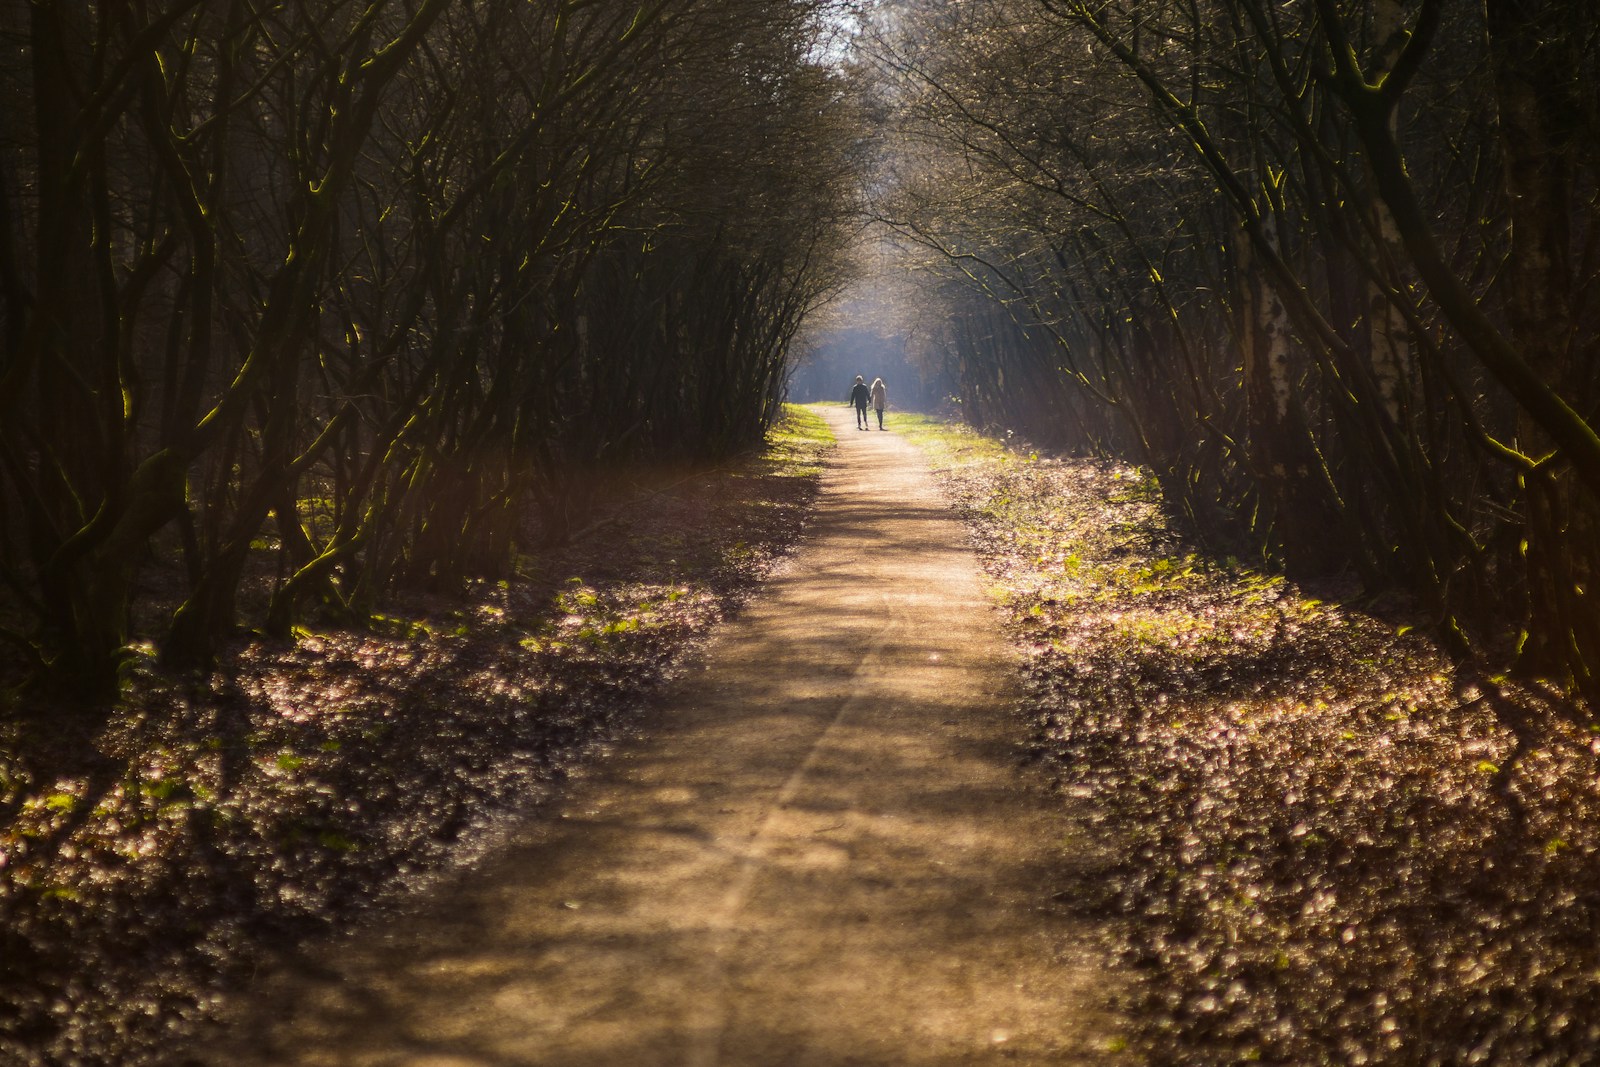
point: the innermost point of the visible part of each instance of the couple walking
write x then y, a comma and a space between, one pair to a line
877, 395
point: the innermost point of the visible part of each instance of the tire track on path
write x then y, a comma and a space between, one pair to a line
824, 855
707, 1037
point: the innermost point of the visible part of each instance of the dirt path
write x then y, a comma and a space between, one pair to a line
825, 856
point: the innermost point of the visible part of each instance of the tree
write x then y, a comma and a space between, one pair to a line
1208, 207
324, 298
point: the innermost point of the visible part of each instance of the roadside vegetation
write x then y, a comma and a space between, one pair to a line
1328, 842
304, 305
147, 862
1326, 269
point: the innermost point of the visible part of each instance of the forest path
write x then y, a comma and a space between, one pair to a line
825, 855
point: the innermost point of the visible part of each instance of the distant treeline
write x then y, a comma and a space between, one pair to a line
833, 357
331, 296
1328, 267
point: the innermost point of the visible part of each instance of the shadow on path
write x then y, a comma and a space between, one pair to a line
825, 856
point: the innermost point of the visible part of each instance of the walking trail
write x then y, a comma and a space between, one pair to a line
826, 855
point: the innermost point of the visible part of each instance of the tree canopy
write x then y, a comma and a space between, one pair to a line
320, 298
1321, 265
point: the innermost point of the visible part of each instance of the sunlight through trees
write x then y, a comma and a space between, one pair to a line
1321, 265
300, 301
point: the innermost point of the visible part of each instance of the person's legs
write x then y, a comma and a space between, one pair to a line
880, 418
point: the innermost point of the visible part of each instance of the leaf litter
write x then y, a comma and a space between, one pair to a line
148, 863
1331, 843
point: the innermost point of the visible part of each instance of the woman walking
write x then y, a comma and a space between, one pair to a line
880, 398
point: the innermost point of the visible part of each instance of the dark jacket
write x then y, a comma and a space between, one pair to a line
860, 395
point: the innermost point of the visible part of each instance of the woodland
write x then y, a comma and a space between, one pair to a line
1325, 268
311, 301
348, 348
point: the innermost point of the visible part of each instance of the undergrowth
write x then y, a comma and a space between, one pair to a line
1333, 845
145, 865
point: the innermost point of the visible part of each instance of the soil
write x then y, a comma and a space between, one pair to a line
1334, 843
151, 857
1254, 821
824, 853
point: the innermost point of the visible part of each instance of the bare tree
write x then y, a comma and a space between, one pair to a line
1208, 206
319, 298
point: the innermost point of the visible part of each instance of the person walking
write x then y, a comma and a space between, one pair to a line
880, 399
860, 395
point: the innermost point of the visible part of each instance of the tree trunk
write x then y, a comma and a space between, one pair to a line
1281, 453
1534, 92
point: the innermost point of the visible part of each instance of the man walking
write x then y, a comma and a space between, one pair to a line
859, 396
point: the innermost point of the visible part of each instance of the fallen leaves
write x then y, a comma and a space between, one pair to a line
308, 781
1335, 845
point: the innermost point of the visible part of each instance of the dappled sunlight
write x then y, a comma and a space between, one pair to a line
266, 803
824, 857
1334, 844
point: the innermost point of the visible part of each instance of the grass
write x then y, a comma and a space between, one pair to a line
951, 445
797, 442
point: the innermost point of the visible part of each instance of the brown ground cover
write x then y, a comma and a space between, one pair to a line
147, 863
1336, 846
1333, 844
820, 855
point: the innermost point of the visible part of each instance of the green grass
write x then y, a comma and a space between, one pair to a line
951, 444
800, 423
797, 441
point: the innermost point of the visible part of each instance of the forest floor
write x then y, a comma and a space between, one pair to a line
149, 862
823, 853
1321, 840
1335, 845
